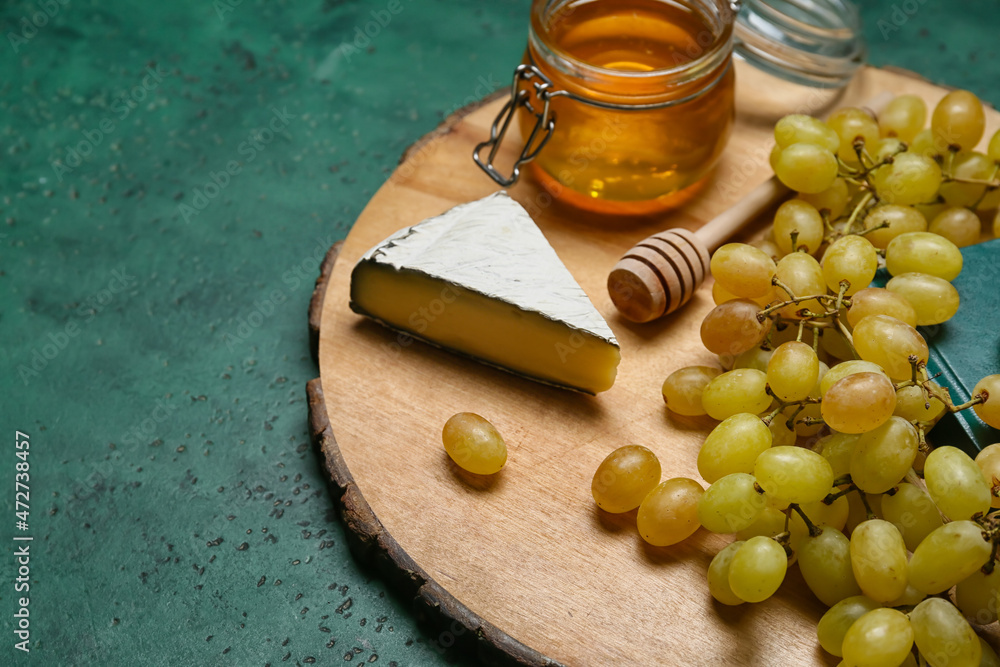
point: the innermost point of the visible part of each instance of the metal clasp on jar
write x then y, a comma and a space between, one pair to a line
520, 96
545, 121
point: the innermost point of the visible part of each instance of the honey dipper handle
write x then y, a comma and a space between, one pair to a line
723, 226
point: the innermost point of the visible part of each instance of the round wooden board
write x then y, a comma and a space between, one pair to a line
525, 559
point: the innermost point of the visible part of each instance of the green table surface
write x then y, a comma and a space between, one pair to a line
153, 336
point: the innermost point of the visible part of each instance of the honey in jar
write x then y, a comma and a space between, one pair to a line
625, 103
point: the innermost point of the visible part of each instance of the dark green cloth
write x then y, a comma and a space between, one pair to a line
157, 254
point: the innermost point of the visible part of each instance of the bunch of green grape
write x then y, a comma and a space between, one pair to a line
821, 459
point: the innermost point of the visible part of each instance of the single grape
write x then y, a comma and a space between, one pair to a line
989, 657
993, 148
795, 474
837, 448
743, 270
988, 461
792, 371
887, 221
757, 569
683, 388
923, 252
769, 247
909, 598
913, 513
474, 444
988, 389
955, 483
880, 301
903, 117
802, 219
967, 165
850, 124
845, 368
734, 327
851, 258
718, 575
858, 403
909, 179
736, 391
825, 563
624, 478
884, 455
878, 556
957, 224
731, 503
948, 555
889, 343
925, 143
839, 618
958, 120
880, 638
756, 358
771, 522
886, 147
669, 513
834, 199
806, 167
934, 300
802, 274
912, 405
772, 158
943, 636
977, 596
799, 128
720, 295
732, 447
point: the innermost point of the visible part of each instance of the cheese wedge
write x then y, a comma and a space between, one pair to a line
483, 281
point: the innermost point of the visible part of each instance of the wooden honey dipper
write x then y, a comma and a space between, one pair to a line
661, 273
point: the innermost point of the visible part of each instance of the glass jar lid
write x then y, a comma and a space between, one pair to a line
811, 42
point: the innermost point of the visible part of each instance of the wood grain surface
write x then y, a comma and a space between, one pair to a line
526, 552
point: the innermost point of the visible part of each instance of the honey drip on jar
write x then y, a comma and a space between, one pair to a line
629, 52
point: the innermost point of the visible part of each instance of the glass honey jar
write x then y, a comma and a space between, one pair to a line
625, 105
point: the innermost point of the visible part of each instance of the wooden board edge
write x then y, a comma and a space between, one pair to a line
458, 627
449, 123
319, 295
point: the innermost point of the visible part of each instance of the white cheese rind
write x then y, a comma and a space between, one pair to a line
492, 246
492, 251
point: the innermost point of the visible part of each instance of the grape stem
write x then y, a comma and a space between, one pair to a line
814, 530
992, 562
992, 183
920, 378
857, 210
864, 501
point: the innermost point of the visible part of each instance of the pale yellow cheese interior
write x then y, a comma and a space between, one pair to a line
491, 330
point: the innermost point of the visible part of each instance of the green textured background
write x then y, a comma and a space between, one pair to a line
178, 512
